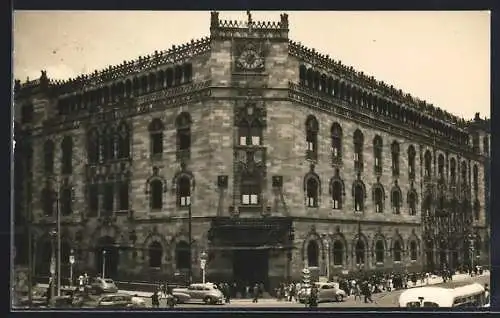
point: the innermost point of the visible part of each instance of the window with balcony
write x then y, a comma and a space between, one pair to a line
250, 134
250, 194
312, 129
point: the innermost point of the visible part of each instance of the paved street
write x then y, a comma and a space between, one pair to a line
385, 299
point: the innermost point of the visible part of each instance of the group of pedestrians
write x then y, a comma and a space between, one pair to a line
231, 291
163, 291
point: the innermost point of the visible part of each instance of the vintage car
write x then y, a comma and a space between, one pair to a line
118, 300
208, 293
102, 285
327, 292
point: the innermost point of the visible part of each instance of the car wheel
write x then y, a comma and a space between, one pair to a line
340, 298
207, 300
177, 300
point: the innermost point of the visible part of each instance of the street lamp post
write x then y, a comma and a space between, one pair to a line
71, 262
190, 243
203, 264
471, 251
58, 215
52, 265
327, 248
103, 264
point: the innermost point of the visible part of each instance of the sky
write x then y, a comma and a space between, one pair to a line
441, 57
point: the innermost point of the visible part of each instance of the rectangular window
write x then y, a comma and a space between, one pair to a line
156, 144
245, 199
108, 198
185, 201
310, 146
123, 203
255, 140
335, 204
93, 199
243, 140
254, 199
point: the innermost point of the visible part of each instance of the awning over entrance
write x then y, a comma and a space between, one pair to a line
254, 233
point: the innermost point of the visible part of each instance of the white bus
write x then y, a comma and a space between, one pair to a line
468, 296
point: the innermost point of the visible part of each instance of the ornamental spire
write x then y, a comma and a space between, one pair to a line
250, 21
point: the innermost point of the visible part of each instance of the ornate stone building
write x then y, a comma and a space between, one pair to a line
283, 158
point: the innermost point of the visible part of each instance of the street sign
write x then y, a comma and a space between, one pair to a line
72, 259
203, 263
52, 266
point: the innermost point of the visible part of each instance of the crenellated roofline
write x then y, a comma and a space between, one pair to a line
323, 61
175, 54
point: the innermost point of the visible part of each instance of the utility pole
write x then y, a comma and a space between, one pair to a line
190, 238
58, 211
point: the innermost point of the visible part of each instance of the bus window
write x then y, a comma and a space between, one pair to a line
430, 304
413, 304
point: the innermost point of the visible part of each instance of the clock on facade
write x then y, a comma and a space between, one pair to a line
250, 59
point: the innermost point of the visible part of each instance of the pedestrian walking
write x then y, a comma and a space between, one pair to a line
357, 292
155, 300
313, 297
256, 292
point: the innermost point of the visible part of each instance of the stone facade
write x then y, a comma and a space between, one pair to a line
211, 96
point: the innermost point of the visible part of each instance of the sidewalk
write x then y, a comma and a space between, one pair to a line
432, 281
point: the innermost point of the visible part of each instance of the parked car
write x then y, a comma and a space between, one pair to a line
180, 297
116, 301
207, 293
327, 292
103, 285
38, 298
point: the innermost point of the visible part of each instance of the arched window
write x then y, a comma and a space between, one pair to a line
155, 254
441, 166
377, 153
486, 145
426, 206
336, 132
396, 200
312, 128
359, 197
378, 195
379, 251
182, 255
453, 170
156, 128
313, 254
411, 161
395, 158
412, 202
48, 156
66, 200
413, 250
183, 191
93, 146
360, 252
337, 194
183, 125
358, 149
67, 155
312, 189
338, 253
397, 251
463, 170
428, 163
156, 194
475, 176
123, 142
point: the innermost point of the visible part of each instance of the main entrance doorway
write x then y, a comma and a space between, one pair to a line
106, 257
251, 267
